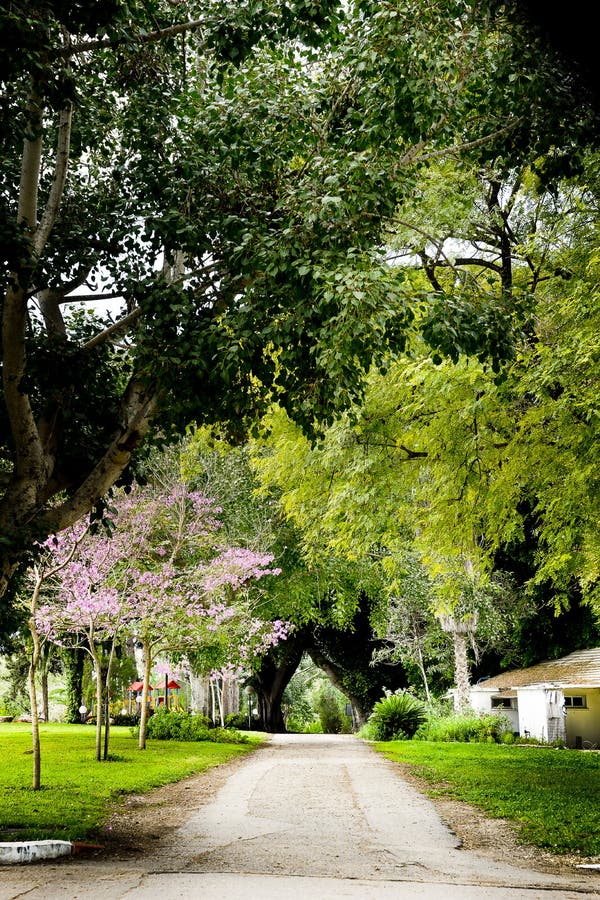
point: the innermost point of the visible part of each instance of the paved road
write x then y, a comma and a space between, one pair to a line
317, 817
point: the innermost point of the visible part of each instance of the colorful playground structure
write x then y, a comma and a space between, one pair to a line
168, 696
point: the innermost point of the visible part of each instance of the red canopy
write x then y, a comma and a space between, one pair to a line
173, 686
139, 686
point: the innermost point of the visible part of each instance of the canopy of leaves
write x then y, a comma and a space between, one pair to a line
232, 168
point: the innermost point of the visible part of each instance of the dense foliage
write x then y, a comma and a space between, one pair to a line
470, 727
179, 726
227, 173
396, 717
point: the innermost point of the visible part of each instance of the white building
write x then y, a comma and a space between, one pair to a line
555, 700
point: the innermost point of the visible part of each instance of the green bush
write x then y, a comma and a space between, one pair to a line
396, 717
10, 707
314, 728
330, 715
237, 720
466, 727
367, 732
127, 719
179, 726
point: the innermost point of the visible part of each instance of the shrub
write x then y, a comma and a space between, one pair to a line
314, 728
237, 720
466, 727
329, 715
10, 707
396, 717
179, 726
127, 719
367, 732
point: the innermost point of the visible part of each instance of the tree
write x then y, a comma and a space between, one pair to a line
236, 209
51, 562
86, 611
412, 634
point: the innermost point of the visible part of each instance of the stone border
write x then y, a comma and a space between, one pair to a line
19, 852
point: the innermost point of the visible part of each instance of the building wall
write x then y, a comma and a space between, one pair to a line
584, 724
538, 717
533, 719
481, 702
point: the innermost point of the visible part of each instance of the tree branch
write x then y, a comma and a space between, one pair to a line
89, 298
150, 37
58, 184
116, 327
471, 145
138, 409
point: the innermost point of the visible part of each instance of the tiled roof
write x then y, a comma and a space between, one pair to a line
579, 669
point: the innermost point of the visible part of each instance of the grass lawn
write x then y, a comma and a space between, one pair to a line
552, 795
77, 790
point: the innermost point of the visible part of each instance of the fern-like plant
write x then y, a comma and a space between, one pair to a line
396, 716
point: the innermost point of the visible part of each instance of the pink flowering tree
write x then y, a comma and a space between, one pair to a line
53, 556
162, 578
87, 610
178, 610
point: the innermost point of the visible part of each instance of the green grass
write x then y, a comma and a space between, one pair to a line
76, 790
553, 796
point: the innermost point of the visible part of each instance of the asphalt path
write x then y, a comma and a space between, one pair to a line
307, 817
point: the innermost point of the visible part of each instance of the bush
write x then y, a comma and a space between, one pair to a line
396, 717
179, 726
466, 727
330, 704
237, 720
330, 715
314, 728
127, 719
10, 707
367, 732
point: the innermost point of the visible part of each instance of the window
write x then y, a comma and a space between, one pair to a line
502, 703
575, 701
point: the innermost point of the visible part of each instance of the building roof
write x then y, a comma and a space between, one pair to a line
579, 669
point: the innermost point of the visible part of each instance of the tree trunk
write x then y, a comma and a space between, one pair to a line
360, 710
74, 660
109, 666
33, 664
423, 671
35, 719
461, 670
271, 681
460, 630
145, 693
45, 692
99, 710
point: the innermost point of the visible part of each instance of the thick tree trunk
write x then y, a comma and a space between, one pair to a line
461, 670
24, 516
461, 630
271, 681
361, 710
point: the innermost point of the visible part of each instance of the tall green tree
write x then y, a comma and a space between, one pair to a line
204, 164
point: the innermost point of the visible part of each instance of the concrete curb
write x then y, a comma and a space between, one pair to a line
16, 852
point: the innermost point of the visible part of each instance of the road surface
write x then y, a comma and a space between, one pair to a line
307, 817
